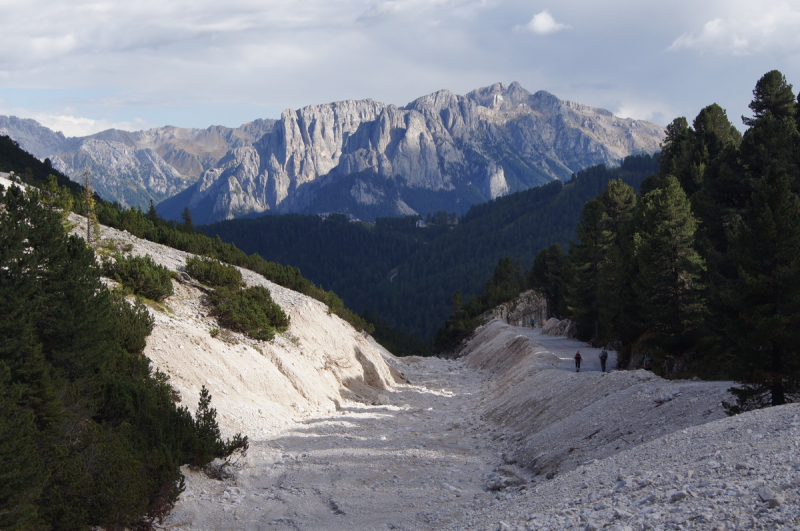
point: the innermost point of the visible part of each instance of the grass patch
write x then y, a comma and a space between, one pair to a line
213, 272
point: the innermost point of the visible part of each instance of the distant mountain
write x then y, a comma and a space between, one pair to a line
134, 167
406, 275
440, 152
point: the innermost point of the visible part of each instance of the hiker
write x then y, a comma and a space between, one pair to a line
533, 323
648, 363
669, 366
578, 359
603, 359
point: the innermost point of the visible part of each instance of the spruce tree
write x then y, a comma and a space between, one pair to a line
613, 289
549, 276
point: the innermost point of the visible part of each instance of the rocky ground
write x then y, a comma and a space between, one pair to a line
445, 452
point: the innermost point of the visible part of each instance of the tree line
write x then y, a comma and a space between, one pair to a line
703, 266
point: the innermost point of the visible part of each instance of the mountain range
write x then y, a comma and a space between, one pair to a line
134, 167
440, 152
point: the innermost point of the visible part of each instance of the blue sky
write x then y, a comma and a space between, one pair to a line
84, 66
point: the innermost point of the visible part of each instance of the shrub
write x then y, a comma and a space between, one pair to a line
141, 275
214, 273
250, 311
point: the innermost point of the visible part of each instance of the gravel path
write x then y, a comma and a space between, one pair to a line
565, 350
422, 461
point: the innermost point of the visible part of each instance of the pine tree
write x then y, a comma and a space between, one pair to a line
613, 289
586, 258
549, 276
90, 209
765, 297
668, 287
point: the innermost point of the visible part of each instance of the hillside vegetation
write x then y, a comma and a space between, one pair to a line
405, 276
66, 195
89, 434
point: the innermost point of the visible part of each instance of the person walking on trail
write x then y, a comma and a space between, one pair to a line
603, 359
669, 366
578, 359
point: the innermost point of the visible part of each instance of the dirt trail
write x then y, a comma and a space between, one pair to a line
565, 350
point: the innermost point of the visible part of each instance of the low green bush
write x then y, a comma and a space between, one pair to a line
250, 311
140, 275
213, 272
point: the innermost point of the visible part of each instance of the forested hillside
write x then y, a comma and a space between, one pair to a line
89, 435
406, 275
702, 271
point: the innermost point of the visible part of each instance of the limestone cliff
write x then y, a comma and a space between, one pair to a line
442, 151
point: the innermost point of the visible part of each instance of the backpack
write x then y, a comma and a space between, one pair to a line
604, 355
648, 364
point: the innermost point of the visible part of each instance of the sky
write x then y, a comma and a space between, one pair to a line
84, 66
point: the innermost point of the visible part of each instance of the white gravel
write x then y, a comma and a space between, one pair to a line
449, 451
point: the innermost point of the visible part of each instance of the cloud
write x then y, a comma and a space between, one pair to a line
78, 126
640, 109
746, 29
543, 23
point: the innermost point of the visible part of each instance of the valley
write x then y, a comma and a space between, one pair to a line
693, 274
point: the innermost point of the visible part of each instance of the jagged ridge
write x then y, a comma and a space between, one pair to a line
441, 151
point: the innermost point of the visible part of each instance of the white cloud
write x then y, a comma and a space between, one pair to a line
747, 29
639, 109
77, 126
543, 23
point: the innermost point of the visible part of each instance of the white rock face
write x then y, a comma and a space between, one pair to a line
490, 142
33, 137
317, 365
119, 171
496, 184
441, 142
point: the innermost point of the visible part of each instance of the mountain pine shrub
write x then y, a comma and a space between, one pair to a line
250, 311
213, 272
141, 276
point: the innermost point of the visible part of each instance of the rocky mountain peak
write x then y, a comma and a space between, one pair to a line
500, 96
32, 136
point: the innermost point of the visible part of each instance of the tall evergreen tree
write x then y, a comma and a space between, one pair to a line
766, 295
614, 293
670, 295
89, 435
549, 276
586, 258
